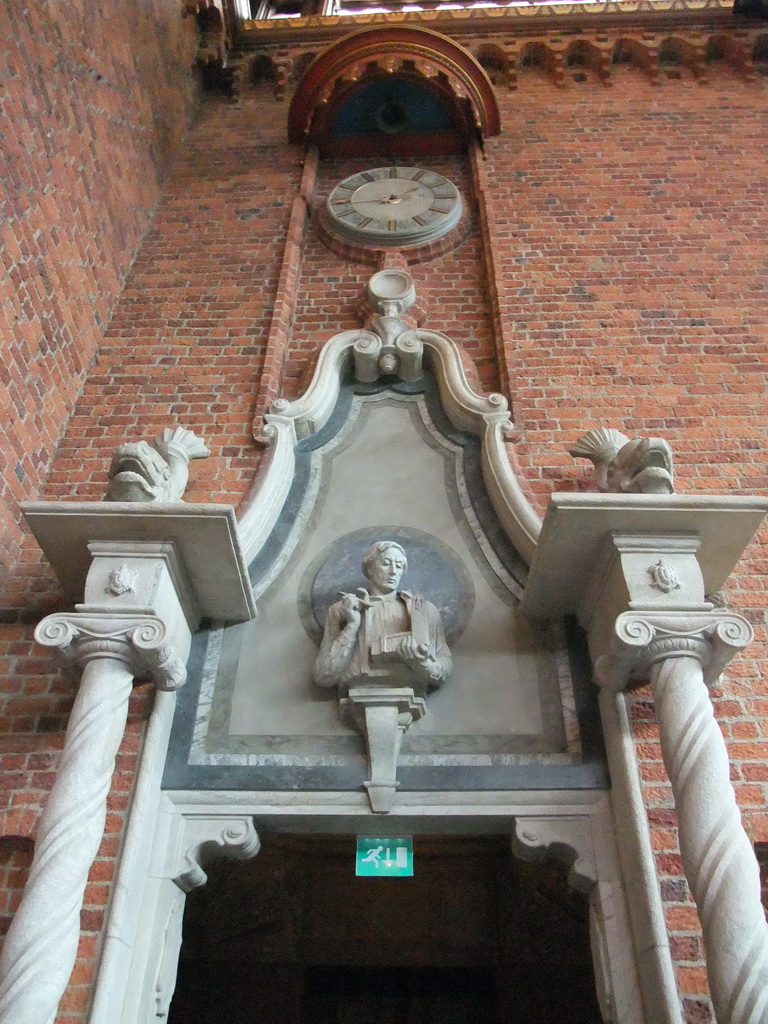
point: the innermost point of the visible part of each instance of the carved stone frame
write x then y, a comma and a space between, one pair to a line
194, 827
603, 836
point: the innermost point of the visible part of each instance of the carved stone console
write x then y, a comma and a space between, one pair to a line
635, 570
383, 714
150, 571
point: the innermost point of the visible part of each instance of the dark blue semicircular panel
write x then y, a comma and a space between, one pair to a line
418, 109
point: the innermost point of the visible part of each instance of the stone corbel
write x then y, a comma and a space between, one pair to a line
141, 641
206, 838
565, 839
383, 714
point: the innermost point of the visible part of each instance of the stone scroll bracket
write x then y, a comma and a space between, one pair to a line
206, 838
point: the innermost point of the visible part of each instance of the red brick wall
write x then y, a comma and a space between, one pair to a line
633, 223
630, 225
450, 286
95, 99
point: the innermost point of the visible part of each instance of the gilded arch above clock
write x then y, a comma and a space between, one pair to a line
422, 70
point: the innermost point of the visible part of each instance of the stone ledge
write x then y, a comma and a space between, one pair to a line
205, 536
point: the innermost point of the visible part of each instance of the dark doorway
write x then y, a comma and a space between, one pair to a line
399, 995
475, 937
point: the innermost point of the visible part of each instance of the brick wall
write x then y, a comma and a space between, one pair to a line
98, 97
95, 101
630, 227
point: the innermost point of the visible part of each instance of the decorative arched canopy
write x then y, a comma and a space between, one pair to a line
393, 91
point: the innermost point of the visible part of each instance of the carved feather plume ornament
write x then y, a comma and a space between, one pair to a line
625, 466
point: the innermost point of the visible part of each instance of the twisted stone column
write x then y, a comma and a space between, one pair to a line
679, 650
41, 945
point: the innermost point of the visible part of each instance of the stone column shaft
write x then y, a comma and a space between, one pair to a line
717, 855
41, 946
681, 652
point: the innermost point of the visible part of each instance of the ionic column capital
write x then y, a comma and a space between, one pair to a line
642, 639
141, 642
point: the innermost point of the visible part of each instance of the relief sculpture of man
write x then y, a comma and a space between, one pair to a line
382, 635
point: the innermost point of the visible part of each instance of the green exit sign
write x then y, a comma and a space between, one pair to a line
384, 857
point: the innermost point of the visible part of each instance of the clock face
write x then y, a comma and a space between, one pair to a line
393, 206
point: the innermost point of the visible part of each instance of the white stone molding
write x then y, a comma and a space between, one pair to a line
575, 841
167, 963
648, 929
383, 714
683, 654
387, 349
573, 826
486, 416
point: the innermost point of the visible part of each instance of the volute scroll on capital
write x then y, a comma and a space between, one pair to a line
139, 641
642, 640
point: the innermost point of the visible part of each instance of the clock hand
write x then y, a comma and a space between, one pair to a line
397, 196
384, 199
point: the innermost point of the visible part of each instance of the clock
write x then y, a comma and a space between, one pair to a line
392, 206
